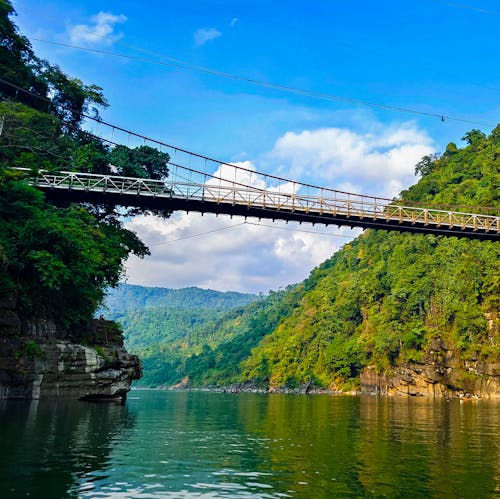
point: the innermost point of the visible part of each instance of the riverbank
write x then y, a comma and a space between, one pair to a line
235, 389
40, 360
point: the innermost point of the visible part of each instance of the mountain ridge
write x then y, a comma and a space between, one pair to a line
388, 313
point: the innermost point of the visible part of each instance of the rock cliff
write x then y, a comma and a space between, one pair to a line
443, 373
40, 360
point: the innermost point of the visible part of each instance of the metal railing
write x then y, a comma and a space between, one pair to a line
285, 197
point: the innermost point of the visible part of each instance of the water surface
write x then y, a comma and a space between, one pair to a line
198, 444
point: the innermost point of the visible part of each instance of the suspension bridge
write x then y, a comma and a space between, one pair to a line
239, 191
199, 183
206, 185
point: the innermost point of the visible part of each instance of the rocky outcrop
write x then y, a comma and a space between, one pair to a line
443, 373
61, 369
39, 360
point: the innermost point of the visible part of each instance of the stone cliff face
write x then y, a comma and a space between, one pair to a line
443, 373
39, 360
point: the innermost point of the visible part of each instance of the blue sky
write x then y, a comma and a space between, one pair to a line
434, 56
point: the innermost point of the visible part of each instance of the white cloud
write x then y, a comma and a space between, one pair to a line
243, 257
233, 22
204, 35
245, 175
230, 254
249, 257
381, 162
101, 31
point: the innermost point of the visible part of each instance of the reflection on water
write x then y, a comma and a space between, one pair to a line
47, 448
192, 444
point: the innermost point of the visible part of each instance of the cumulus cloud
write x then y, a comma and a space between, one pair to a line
231, 255
204, 35
381, 162
234, 254
245, 175
100, 31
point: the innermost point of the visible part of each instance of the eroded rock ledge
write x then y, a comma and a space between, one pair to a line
442, 374
38, 360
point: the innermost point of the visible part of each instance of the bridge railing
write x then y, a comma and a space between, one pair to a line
222, 191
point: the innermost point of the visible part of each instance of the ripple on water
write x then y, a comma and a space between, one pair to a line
165, 445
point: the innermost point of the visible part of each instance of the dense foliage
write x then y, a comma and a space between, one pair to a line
57, 262
164, 326
387, 295
465, 177
128, 298
69, 99
380, 301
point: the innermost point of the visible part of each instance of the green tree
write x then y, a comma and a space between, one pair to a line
425, 165
142, 161
56, 262
384, 299
16, 56
474, 137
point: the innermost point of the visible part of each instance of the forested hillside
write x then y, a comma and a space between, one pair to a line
128, 297
384, 300
164, 326
57, 261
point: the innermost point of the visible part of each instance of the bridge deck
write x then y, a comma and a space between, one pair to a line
222, 196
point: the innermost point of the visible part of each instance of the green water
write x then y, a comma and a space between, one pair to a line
194, 444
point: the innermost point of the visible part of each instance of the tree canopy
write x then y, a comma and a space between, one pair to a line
57, 262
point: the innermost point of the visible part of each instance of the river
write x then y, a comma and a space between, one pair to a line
199, 444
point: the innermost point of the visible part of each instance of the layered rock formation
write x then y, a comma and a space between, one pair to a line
40, 360
443, 373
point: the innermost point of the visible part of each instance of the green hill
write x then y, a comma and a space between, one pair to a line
386, 301
128, 297
164, 326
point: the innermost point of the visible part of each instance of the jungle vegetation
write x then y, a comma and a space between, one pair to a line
166, 326
57, 261
380, 301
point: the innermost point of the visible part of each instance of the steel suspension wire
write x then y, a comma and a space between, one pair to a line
275, 86
230, 200
198, 234
467, 7
226, 227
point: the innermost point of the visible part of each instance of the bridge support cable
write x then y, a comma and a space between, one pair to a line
201, 183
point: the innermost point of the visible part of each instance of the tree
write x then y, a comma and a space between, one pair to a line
89, 154
50, 90
425, 165
56, 262
142, 161
70, 98
30, 138
473, 137
16, 56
